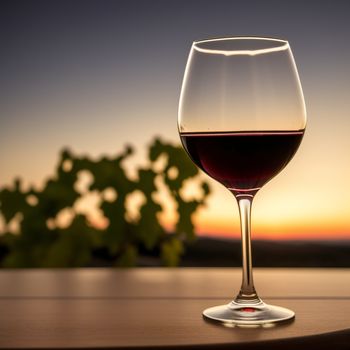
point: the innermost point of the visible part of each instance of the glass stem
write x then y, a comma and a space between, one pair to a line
247, 294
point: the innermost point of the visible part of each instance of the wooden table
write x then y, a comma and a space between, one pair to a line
148, 308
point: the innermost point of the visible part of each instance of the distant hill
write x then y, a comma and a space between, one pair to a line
215, 252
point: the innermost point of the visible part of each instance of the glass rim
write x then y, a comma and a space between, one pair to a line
197, 45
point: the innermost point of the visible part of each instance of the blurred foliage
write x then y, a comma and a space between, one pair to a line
42, 242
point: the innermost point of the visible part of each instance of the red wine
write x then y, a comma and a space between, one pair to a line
242, 161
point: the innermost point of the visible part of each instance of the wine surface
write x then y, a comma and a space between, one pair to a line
242, 161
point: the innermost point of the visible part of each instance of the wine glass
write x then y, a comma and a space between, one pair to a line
241, 119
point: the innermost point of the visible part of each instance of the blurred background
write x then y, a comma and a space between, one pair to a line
92, 172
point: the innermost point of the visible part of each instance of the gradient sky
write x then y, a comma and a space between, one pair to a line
94, 75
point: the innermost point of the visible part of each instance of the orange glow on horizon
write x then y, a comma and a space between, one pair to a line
288, 234
300, 230
229, 228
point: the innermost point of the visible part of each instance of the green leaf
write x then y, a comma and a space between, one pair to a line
73, 247
13, 201
128, 258
38, 245
171, 251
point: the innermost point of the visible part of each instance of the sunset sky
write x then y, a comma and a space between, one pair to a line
94, 75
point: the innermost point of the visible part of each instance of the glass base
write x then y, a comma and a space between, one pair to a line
248, 314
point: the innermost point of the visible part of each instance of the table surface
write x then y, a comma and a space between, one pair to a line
155, 307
